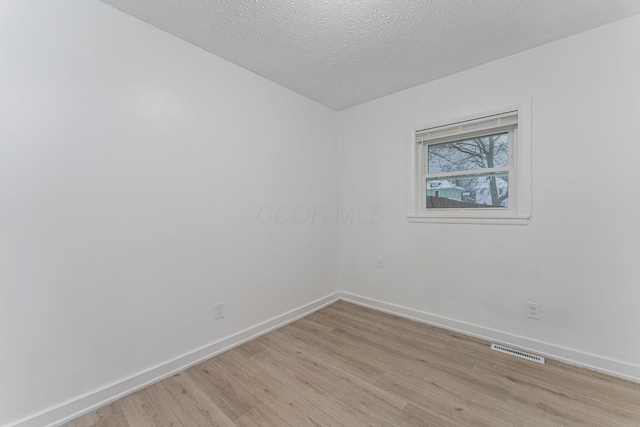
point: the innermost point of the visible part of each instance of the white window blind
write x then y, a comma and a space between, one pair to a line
471, 126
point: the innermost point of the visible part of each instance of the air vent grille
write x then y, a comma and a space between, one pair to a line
517, 353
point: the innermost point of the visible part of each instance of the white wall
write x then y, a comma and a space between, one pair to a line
132, 169
578, 257
133, 166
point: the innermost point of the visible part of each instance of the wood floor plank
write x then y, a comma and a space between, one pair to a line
439, 399
196, 408
298, 411
347, 386
236, 363
157, 407
262, 416
370, 335
348, 365
323, 392
227, 393
416, 416
340, 357
264, 386
136, 411
89, 420
541, 385
114, 416
250, 348
412, 332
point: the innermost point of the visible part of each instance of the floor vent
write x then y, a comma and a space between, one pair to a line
518, 353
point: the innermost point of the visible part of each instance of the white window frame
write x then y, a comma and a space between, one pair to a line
484, 122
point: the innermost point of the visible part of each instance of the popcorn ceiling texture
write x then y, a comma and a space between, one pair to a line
345, 52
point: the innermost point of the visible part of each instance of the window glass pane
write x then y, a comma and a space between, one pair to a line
490, 190
490, 151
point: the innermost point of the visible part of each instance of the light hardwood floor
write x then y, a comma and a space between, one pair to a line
346, 365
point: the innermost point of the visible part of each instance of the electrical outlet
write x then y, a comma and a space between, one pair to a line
218, 311
380, 262
533, 310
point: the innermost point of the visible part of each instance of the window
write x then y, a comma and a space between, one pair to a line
474, 169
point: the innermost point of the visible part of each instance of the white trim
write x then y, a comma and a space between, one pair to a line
468, 128
594, 362
467, 172
91, 401
519, 211
451, 218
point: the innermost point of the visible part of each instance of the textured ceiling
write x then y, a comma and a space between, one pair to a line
345, 52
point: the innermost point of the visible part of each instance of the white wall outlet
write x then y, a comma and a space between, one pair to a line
533, 310
380, 262
218, 311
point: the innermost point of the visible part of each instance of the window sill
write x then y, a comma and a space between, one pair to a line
470, 219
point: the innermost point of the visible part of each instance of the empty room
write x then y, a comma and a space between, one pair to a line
302, 213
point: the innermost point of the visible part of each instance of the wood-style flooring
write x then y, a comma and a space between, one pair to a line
346, 365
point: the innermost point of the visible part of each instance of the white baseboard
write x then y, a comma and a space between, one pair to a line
616, 368
81, 405
84, 404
